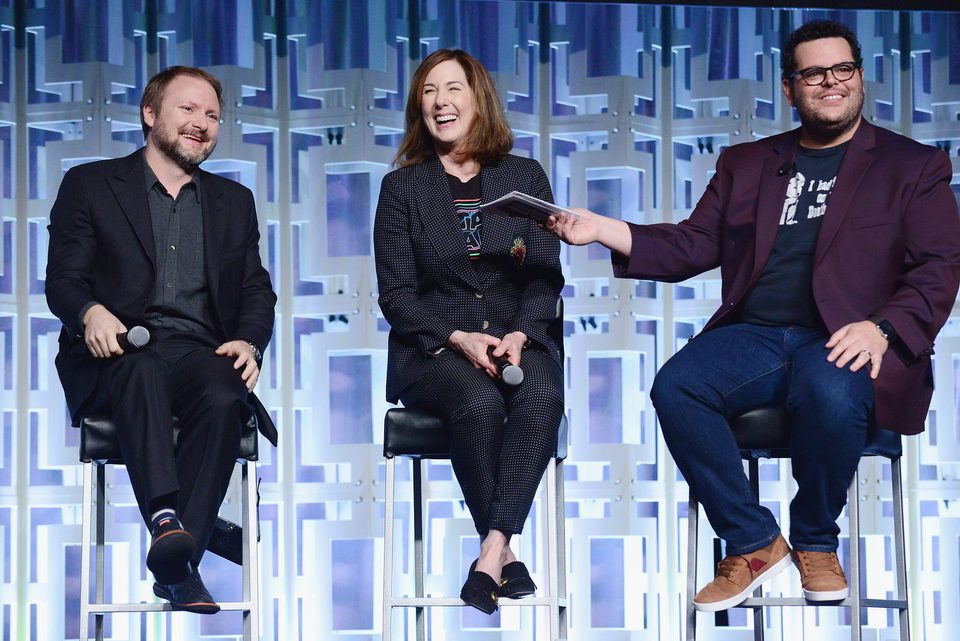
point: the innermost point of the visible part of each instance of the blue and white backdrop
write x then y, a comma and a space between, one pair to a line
626, 107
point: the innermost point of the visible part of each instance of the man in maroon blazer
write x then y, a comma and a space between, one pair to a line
839, 249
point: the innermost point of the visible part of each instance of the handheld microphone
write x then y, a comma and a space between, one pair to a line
787, 169
509, 373
134, 338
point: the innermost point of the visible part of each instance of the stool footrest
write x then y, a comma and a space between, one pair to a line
776, 602
456, 602
105, 608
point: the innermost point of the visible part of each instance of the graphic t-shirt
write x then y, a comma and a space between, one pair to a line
466, 205
784, 293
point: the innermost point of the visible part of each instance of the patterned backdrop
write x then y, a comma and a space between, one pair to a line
627, 108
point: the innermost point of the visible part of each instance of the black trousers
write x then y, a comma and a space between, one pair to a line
502, 437
178, 374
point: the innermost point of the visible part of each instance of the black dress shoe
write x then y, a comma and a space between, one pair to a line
189, 595
170, 550
515, 581
480, 590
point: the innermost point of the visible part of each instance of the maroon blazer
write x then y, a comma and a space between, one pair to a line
889, 245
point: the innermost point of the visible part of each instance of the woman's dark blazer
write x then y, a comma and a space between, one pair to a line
429, 287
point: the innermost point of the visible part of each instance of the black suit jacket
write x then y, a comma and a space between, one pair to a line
428, 285
102, 250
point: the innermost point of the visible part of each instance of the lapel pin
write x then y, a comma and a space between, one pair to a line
518, 251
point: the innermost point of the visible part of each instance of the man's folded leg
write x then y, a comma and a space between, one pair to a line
210, 399
136, 393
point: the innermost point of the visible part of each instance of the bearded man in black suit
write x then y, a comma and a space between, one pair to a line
153, 240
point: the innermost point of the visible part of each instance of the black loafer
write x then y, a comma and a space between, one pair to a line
190, 595
170, 550
480, 590
516, 581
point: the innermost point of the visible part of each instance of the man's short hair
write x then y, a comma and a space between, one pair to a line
816, 30
153, 93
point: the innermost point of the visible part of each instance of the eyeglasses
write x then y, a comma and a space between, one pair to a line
815, 76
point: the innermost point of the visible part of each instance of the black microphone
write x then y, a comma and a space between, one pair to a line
787, 169
509, 373
134, 338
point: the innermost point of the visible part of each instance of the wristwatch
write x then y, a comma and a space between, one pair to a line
884, 327
257, 354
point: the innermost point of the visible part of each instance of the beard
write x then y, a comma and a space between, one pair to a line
168, 143
819, 127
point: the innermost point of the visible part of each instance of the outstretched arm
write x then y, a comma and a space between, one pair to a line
588, 227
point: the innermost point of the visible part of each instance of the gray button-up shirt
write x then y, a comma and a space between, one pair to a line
181, 298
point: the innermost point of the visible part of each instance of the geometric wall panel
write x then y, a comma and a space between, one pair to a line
626, 106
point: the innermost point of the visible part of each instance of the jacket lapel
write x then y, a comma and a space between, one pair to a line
215, 219
498, 231
856, 161
130, 189
435, 205
773, 189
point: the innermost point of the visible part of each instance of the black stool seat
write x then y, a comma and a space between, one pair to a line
765, 433
418, 434
98, 440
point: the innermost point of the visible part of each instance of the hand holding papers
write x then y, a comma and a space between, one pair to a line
582, 226
521, 205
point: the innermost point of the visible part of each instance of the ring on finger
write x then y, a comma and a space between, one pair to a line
867, 352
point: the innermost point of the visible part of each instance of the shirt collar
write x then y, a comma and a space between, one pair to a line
154, 183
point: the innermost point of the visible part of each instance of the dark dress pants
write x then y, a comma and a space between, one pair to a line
177, 375
502, 437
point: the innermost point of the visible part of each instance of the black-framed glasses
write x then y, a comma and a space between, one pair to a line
815, 76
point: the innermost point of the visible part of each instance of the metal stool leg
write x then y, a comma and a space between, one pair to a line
693, 515
554, 552
853, 511
99, 542
251, 556
418, 546
389, 494
85, 525
758, 624
561, 543
900, 545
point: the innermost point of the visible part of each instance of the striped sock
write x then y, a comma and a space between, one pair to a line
162, 515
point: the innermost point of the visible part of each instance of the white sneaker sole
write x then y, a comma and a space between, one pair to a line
836, 595
717, 606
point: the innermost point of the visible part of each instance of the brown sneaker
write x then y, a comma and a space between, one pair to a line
737, 576
821, 576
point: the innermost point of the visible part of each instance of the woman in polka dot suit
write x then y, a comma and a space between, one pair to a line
460, 288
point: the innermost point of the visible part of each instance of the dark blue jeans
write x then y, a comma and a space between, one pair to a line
725, 372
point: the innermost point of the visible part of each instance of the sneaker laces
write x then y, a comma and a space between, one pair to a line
728, 566
816, 562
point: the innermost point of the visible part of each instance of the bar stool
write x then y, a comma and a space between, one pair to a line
99, 447
765, 433
418, 435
